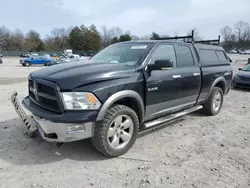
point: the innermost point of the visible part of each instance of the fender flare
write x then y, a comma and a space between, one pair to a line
216, 81
120, 95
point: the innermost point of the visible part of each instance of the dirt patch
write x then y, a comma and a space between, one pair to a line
8, 81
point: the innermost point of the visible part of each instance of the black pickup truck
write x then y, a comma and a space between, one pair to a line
124, 89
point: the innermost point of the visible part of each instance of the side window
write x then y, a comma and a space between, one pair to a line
208, 57
185, 57
164, 51
221, 55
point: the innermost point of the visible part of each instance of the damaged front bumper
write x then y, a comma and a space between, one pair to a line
51, 131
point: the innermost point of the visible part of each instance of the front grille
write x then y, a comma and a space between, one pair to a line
46, 89
30, 82
45, 94
51, 104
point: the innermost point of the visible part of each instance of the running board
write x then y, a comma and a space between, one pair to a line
171, 117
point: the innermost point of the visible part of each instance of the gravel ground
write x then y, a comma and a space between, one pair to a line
196, 151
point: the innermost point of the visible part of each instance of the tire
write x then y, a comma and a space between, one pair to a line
47, 64
103, 143
211, 107
27, 64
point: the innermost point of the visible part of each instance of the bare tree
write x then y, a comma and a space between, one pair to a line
105, 36
240, 27
246, 32
118, 31
60, 37
115, 32
226, 32
4, 38
49, 43
32, 40
17, 40
135, 38
145, 37
175, 34
127, 32
233, 38
108, 35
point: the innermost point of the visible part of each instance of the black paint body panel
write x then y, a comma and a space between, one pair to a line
160, 92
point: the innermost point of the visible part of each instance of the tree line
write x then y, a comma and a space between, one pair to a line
78, 38
236, 36
89, 38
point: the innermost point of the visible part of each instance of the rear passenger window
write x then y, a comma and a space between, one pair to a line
185, 57
208, 57
221, 55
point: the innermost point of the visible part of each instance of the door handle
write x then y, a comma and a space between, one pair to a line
176, 76
196, 74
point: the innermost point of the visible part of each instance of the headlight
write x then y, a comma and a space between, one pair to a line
80, 101
236, 77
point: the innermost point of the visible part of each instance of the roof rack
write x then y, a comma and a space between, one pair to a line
192, 39
209, 41
179, 37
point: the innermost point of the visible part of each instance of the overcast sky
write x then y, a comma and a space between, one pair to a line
141, 17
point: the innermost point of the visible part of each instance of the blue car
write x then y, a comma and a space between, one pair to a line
37, 60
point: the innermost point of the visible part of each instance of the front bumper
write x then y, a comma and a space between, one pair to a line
52, 131
58, 132
241, 83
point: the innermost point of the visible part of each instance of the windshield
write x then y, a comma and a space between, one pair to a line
247, 68
129, 54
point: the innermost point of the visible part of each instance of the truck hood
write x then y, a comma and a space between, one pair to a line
75, 74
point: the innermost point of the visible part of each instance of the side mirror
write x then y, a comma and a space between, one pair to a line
240, 69
161, 64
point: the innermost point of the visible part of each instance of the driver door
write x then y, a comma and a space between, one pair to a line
163, 87
36, 60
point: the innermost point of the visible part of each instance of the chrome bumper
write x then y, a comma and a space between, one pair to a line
50, 131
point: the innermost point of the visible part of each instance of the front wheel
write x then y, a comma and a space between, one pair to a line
117, 132
214, 103
27, 64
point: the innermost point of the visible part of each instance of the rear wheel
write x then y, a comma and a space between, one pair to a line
214, 103
117, 132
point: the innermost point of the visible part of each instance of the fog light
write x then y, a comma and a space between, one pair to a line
75, 129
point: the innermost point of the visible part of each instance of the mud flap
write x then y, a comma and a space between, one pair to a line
28, 122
